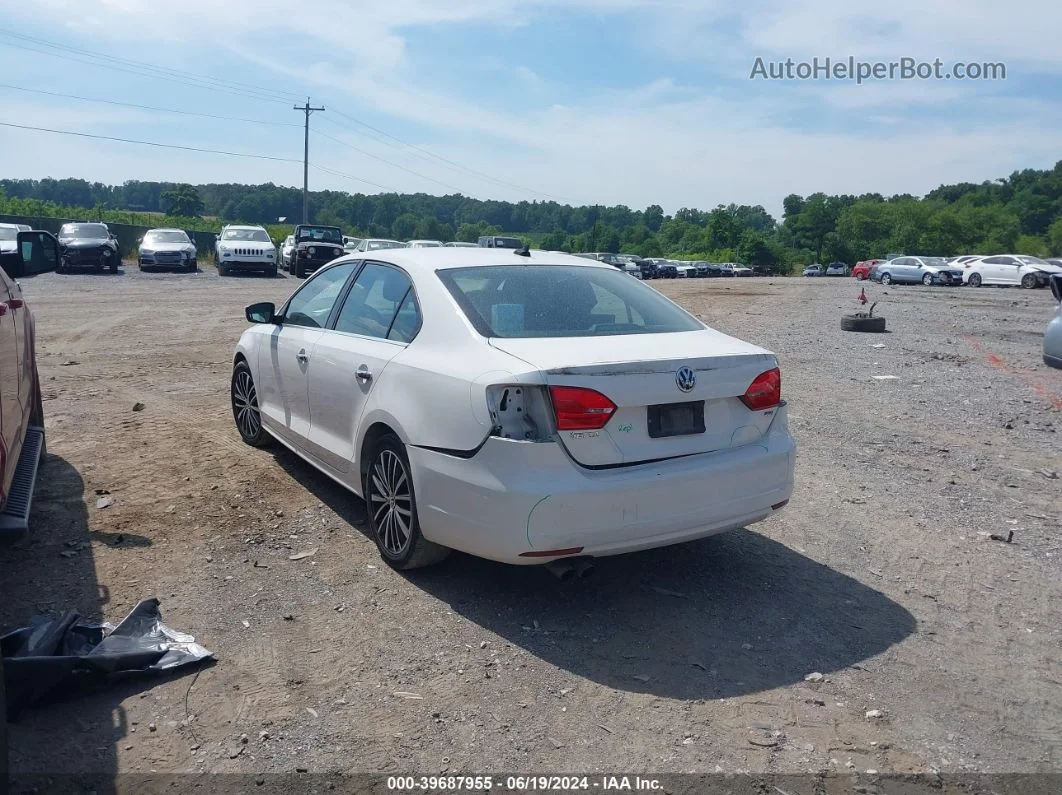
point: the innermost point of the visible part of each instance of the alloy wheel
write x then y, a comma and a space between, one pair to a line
391, 503
245, 404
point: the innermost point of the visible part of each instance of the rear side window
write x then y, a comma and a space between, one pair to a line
523, 301
374, 301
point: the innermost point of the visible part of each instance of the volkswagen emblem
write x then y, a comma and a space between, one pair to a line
686, 379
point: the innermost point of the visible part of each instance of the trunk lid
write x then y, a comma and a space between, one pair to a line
640, 372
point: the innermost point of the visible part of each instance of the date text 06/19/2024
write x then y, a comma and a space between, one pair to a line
441, 784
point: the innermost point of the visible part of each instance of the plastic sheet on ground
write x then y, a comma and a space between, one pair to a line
52, 658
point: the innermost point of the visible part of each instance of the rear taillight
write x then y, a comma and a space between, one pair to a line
579, 409
765, 392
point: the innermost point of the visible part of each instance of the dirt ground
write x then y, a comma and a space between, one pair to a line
880, 577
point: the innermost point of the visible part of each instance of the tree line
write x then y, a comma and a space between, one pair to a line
1021, 213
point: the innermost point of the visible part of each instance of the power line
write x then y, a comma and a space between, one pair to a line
149, 143
219, 89
382, 160
271, 92
150, 107
197, 149
247, 90
442, 159
335, 173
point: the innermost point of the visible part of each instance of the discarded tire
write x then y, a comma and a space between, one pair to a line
874, 325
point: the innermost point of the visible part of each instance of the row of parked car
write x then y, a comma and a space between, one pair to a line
975, 270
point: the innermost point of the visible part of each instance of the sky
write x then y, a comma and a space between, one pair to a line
631, 102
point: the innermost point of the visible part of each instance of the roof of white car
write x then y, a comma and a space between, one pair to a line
431, 259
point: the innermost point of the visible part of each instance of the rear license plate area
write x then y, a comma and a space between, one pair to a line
675, 419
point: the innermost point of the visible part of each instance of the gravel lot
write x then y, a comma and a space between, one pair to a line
880, 576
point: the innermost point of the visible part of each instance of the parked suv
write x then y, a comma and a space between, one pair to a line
497, 241
315, 246
21, 404
88, 245
245, 248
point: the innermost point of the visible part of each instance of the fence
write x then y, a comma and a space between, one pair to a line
129, 235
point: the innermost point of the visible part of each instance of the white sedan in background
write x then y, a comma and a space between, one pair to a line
1008, 270
523, 407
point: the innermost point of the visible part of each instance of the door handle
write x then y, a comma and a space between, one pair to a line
302, 356
363, 374
16, 303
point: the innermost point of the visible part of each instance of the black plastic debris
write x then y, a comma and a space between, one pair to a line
53, 658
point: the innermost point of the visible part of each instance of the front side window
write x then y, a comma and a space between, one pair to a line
522, 301
374, 300
312, 305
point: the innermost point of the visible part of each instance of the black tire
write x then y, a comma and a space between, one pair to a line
222, 270
1029, 281
974, 280
872, 325
927, 280
389, 492
886, 278
245, 411
274, 272
193, 267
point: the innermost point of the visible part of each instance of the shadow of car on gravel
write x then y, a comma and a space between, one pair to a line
730, 615
79, 735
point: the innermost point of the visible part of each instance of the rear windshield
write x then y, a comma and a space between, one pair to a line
8, 233
376, 245
521, 301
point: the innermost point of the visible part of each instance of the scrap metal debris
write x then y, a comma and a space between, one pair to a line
52, 657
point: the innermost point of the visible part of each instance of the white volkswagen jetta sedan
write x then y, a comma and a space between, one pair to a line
521, 406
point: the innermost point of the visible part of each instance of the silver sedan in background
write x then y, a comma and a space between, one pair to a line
1053, 334
167, 248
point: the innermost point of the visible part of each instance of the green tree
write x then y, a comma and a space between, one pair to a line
182, 200
1054, 238
404, 226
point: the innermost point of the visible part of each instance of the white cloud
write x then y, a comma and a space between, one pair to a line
674, 140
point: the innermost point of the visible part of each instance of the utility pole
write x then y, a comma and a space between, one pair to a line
306, 161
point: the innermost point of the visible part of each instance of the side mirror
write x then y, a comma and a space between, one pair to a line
264, 312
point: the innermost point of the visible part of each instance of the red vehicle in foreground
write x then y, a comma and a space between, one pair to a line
861, 271
21, 409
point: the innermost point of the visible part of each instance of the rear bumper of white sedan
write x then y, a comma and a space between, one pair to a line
513, 498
